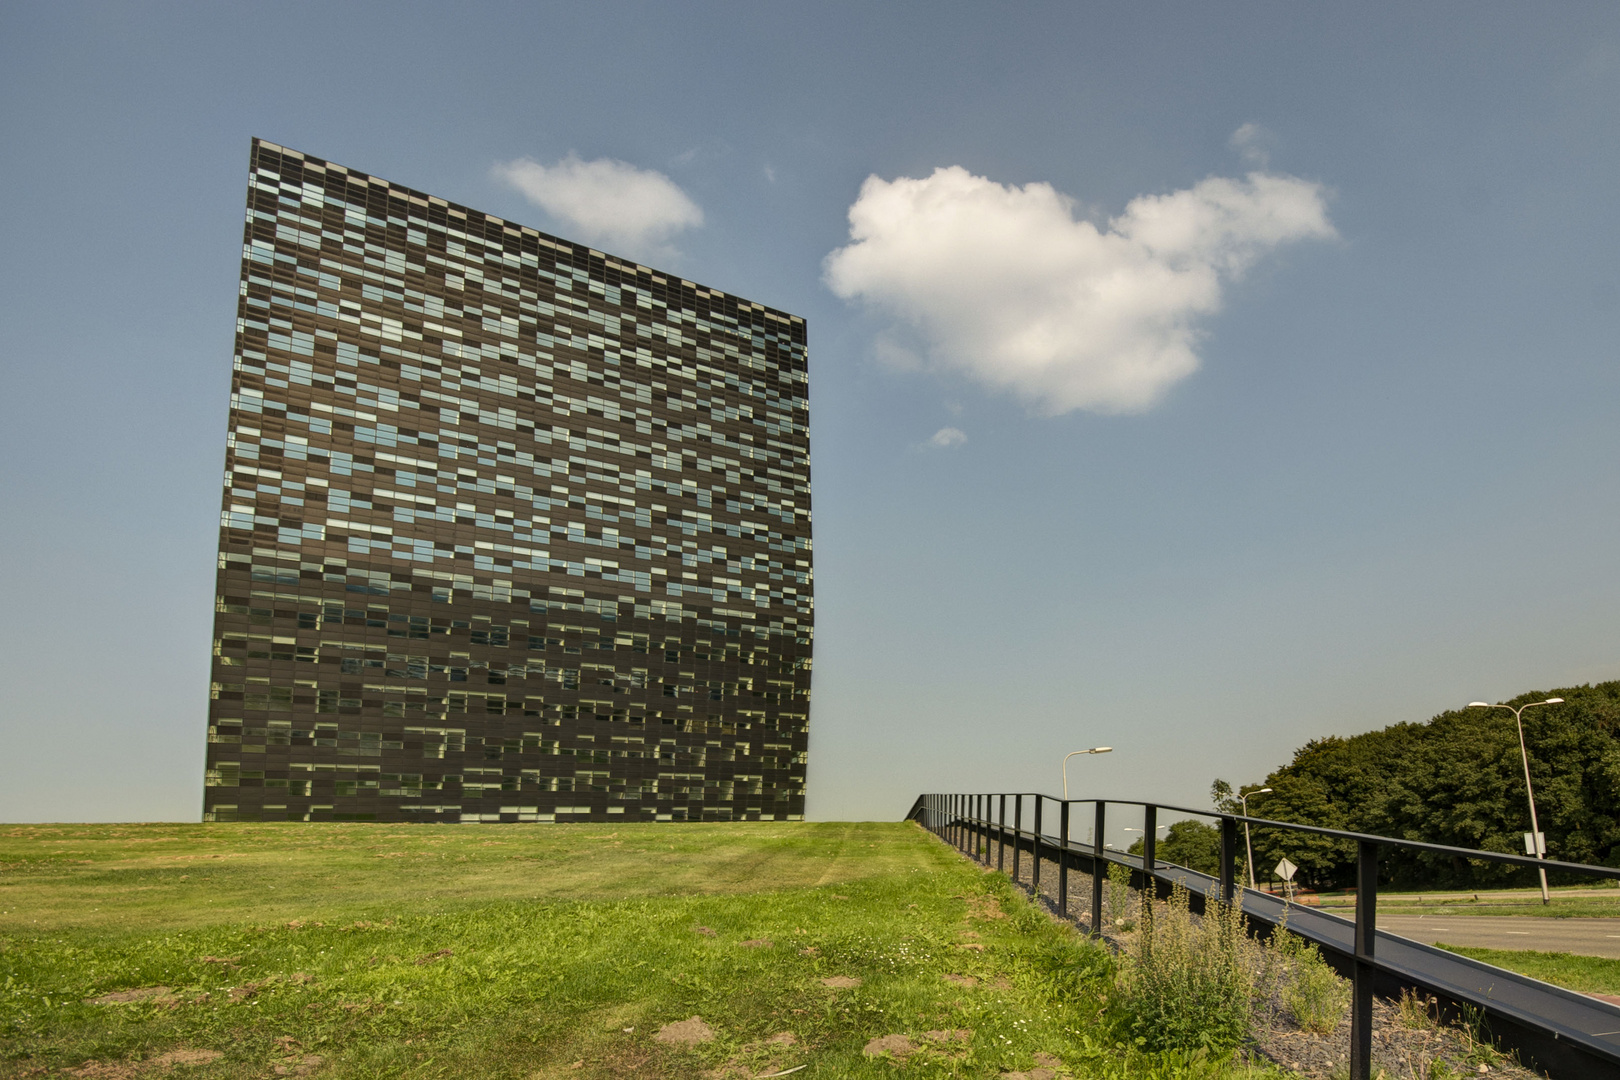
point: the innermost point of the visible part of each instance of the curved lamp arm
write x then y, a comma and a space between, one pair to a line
1066, 757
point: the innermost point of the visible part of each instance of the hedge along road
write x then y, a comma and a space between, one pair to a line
1584, 937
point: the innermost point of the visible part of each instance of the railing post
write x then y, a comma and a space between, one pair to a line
972, 826
1001, 835
1150, 837
1063, 860
984, 826
1035, 850
1228, 857
1018, 832
977, 830
1361, 990
1099, 870
981, 842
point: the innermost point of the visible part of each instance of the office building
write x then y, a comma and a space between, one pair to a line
513, 530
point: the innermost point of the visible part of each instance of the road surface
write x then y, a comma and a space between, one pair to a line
1585, 937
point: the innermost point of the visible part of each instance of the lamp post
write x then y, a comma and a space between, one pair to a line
1524, 755
1247, 846
1066, 757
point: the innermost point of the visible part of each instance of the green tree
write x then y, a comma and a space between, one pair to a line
1188, 843
1456, 780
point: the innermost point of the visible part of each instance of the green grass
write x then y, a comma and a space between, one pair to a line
174, 876
1587, 974
536, 951
1576, 904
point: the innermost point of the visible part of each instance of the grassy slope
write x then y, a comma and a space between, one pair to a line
150, 877
517, 951
1588, 974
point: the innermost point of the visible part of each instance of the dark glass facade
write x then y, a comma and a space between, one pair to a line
513, 530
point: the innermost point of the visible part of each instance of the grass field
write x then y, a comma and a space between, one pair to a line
534, 951
1570, 903
1588, 974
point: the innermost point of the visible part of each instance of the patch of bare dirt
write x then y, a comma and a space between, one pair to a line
756, 943
896, 1046
841, 982
129, 1070
247, 990
705, 931
984, 907
1047, 1067
432, 957
685, 1032
948, 1035
146, 993
962, 980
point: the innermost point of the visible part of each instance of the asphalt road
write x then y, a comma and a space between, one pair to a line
1585, 937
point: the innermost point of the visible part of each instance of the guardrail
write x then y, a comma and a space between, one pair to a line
1557, 1030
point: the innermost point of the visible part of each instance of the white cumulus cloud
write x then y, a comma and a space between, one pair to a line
1007, 285
947, 437
606, 202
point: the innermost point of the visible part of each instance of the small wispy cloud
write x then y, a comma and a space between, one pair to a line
1253, 143
606, 202
1007, 285
946, 437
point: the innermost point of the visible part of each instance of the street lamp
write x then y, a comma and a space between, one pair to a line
1247, 846
1066, 757
1524, 755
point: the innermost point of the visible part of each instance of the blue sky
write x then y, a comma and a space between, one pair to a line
1388, 488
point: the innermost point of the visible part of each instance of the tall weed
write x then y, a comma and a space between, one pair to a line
1315, 994
1296, 974
1187, 984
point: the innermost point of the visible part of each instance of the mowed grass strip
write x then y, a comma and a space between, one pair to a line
551, 951
1573, 908
99, 877
1587, 974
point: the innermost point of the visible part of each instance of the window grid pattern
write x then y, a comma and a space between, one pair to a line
512, 529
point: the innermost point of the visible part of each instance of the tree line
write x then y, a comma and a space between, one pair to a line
1456, 780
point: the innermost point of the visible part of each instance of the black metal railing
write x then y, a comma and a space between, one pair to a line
1561, 1032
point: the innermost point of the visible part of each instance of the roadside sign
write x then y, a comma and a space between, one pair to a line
1540, 842
1286, 869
